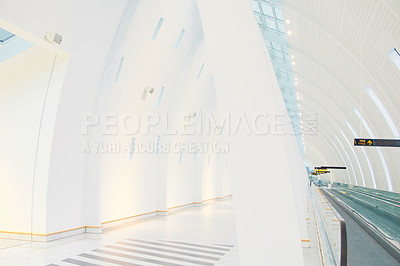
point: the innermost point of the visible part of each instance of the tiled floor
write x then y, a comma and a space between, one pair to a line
312, 254
6, 243
193, 236
198, 236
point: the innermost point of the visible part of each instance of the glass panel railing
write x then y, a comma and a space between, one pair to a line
331, 228
380, 208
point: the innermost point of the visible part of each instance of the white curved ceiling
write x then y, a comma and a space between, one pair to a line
330, 41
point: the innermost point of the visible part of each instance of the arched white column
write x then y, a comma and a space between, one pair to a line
264, 203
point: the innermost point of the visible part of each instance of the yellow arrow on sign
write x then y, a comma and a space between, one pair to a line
369, 142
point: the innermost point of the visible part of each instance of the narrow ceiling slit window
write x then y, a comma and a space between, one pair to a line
394, 55
385, 168
161, 96
348, 158
178, 42
365, 155
119, 69
355, 156
158, 27
132, 148
200, 71
344, 161
384, 112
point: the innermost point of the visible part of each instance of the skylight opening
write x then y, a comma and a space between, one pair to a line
281, 27
385, 168
255, 6
259, 21
394, 55
270, 23
278, 13
5, 36
11, 45
267, 10
384, 112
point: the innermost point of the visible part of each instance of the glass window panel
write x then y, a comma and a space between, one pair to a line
270, 23
278, 13
259, 20
276, 46
285, 49
271, 54
279, 55
267, 10
255, 6
268, 44
281, 27
287, 57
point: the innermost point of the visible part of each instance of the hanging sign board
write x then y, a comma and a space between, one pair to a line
377, 142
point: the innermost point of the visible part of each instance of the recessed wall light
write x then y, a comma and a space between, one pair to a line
289, 32
288, 21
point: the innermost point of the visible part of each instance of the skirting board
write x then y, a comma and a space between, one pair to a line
49, 237
104, 226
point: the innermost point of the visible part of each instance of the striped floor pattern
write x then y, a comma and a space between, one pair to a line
133, 252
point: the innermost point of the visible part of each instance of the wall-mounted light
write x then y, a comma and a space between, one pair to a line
53, 37
147, 90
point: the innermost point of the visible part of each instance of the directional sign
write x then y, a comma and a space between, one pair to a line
321, 171
377, 142
330, 167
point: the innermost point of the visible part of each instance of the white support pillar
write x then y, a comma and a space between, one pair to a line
300, 183
265, 209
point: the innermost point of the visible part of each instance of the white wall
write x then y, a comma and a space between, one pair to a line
88, 28
77, 189
24, 82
